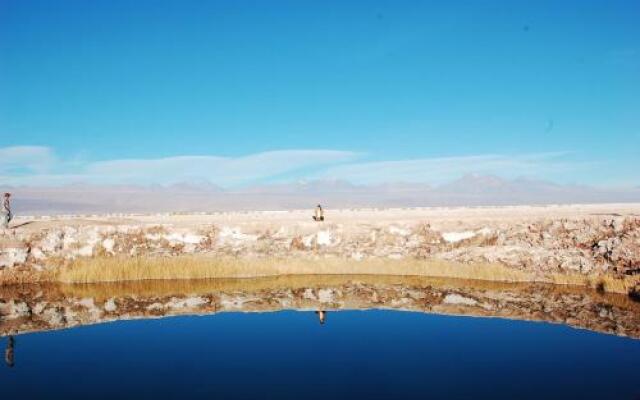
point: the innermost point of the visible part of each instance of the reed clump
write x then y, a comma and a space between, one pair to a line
122, 269
115, 269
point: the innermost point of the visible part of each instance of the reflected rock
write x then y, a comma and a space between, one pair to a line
33, 308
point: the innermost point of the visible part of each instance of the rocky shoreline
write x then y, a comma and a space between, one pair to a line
606, 246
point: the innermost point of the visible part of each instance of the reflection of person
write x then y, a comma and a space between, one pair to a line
5, 211
319, 214
8, 353
321, 316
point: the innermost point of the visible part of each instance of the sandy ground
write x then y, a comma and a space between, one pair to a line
440, 218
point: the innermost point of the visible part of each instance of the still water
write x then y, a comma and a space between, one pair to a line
354, 354
382, 338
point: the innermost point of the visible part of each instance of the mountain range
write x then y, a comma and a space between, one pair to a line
469, 190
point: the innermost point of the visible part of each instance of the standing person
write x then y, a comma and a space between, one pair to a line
319, 214
5, 211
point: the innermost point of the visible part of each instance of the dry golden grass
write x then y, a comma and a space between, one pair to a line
120, 269
201, 267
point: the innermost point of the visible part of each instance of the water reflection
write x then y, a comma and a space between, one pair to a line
9, 352
376, 354
31, 308
321, 316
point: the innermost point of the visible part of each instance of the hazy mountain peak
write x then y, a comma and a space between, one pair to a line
468, 190
475, 182
197, 185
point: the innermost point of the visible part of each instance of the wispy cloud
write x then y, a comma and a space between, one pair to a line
443, 169
39, 166
26, 159
36, 166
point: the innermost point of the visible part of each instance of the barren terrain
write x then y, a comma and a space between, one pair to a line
597, 245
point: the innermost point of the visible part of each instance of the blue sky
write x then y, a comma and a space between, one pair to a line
244, 92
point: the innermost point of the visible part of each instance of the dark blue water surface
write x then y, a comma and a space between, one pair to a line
356, 354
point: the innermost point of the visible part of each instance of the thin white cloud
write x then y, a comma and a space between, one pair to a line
224, 171
444, 169
26, 159
38, 166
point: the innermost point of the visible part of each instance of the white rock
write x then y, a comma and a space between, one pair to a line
39, 307
324, 238
189, 302
325, 295
184, 238
110, 306
87, 302
154, 237
454, 298
108, 244
155, 306
453, 237
37, 253
236, 302
53, 316
234, 234
20, 309
85, 251
400, 302
281, 233
394, 230
308, 294
308, 240
13, 256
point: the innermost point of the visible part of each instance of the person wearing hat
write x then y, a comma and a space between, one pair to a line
5, 211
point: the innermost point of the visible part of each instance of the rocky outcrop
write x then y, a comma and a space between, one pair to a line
29, 308
587, 246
